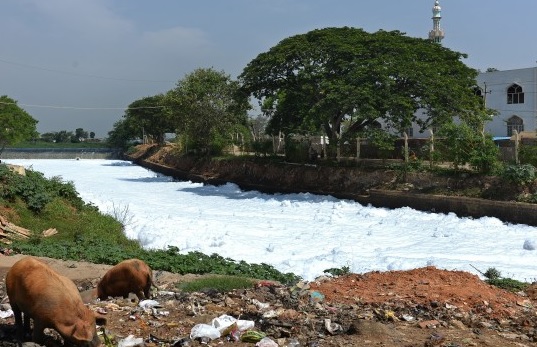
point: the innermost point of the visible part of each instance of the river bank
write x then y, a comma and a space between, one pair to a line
465, 195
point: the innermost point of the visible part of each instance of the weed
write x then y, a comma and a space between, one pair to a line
492, 273
520, 174
494, 277
121, 213
221, 284
508, 284
344, 270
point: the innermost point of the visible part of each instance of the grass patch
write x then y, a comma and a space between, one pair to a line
221, 284
494, 277
508, 284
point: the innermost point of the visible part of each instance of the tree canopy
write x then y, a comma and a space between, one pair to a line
147, 117
207, 109
144, 117
15, 124
321, 80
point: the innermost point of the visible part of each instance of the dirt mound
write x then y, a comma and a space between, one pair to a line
421, 307
421, 287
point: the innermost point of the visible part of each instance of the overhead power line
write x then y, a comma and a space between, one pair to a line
82, 108
82, 75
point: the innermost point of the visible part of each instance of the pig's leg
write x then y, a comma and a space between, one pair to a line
18, 322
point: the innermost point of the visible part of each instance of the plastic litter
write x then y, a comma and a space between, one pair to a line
224, 321
316, 297
245, 324
332, 328
200, 331
266, 342
6, 314
148, 304
260, 305
184, 342
293, 343
131, 341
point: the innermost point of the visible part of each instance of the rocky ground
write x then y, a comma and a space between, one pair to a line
421, 307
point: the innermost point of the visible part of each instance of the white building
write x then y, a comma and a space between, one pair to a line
513, 94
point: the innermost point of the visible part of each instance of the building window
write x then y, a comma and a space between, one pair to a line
515, 95
514, 123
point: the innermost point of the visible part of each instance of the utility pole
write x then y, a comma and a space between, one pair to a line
485, 92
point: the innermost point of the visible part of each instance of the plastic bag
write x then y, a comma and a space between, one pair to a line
204, 330
148, 304
243, 325
224, 321
266, 342
131, 341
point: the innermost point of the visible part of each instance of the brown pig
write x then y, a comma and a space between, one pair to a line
52, 301
129, 276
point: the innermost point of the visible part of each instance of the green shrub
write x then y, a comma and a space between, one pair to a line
461, 144
528, 154
36, 190
262, 147
519, 174
344, 270
494, 277
296, 151
508, 284
492, 273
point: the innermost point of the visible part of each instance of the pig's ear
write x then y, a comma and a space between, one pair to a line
100, 319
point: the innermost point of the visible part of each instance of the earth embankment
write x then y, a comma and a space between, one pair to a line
466, 195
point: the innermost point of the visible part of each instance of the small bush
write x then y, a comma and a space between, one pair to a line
508, 284
262, 147
221, 284
36, 190
494, 277
519, 174
344, 270
492, 273
528, 154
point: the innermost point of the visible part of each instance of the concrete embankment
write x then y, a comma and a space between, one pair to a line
61, 153
248, 177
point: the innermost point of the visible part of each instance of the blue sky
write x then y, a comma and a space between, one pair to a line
76, 63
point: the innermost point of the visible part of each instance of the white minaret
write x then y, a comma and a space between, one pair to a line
437, 34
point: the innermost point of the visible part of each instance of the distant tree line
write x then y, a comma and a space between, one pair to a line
64, 136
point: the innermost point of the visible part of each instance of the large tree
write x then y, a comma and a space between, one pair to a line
208, 109
15, 124
149, 117
121, 134
322, 79
143, 117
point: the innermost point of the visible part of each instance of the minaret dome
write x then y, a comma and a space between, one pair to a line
437, 10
